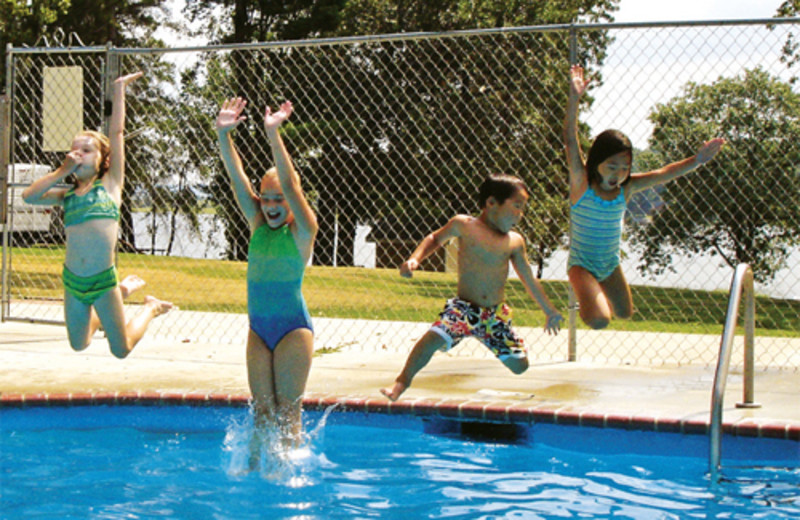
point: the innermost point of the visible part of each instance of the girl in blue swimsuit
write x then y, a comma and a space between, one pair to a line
599, 191
280, 341
92, 295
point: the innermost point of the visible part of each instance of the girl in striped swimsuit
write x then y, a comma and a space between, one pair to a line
599, 190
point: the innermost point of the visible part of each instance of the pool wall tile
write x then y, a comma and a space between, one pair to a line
668, 425
449, 408
695, 426
378, 406
104, 397
356, 404
747, 429
593, 419
618, 421
81, 399
773, 432
423, 407
567, 417
469, 410
495, 412
543, 415
643, 422
517, 413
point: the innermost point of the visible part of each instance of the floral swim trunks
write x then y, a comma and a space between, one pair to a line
490, 326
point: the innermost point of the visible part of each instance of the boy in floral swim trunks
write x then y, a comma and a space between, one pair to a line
485, 246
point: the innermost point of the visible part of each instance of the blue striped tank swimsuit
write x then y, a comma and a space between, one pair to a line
595, 232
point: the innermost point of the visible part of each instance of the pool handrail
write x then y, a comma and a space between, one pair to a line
741, 285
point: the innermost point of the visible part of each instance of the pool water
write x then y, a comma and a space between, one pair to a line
184, 462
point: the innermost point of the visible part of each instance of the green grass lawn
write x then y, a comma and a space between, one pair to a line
352, 292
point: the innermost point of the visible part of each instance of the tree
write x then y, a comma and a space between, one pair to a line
373, 131
791, 49
741, 206
121, 23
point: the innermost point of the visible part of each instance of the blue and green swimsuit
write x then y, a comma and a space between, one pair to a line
275, 303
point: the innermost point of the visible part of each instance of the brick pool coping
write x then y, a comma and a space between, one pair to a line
464, 410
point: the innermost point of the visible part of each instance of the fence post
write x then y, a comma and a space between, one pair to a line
573, 44
5, 148
572, 317
110, 73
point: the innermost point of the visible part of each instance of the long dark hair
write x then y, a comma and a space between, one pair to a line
608, 143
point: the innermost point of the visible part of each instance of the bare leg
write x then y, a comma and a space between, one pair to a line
123, 337
291, 363
618, 293
127, 286
516, 365
420, 356
595, 308
262, 388
78, 317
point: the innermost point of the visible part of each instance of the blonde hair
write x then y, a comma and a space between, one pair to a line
104, 146
272, 173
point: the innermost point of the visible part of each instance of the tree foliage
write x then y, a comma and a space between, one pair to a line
742, 205
121, 23
373, 130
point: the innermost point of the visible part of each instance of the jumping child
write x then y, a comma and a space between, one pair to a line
92, 294
280, 341
599, 191
486, 244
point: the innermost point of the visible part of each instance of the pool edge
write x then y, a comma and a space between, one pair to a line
465, 410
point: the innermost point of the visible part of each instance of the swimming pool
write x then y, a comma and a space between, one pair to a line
188, 462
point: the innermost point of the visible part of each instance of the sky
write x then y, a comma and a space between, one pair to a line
683, 10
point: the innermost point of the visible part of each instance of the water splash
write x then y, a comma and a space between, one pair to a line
292, 466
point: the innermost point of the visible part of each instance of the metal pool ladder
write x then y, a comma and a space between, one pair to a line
741, 285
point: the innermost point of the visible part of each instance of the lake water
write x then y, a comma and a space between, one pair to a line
700, 272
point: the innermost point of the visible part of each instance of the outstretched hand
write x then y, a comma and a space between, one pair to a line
230, 114
408, 267
128, 79
553, 324
578, 83
273, 120
709, 150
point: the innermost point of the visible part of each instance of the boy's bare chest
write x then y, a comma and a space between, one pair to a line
486, 250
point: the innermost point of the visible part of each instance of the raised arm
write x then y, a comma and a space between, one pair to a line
304, 218
519, 259
431, 243
578, 180
642, 181
115, 179
229, 117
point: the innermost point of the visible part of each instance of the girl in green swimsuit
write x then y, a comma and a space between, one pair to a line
280, 342
92, 295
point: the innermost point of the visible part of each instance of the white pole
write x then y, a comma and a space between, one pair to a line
335, 234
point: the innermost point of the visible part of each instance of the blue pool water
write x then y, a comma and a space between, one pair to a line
183, 462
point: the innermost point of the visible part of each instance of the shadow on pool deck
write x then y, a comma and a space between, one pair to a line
37, 359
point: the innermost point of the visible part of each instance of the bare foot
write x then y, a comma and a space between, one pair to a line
394, 392
159, 306
130, 284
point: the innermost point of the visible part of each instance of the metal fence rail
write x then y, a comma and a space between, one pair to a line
391, 136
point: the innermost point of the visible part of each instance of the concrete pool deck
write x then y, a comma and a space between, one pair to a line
39, 366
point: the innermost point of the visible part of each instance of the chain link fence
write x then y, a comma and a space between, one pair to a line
392, 135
